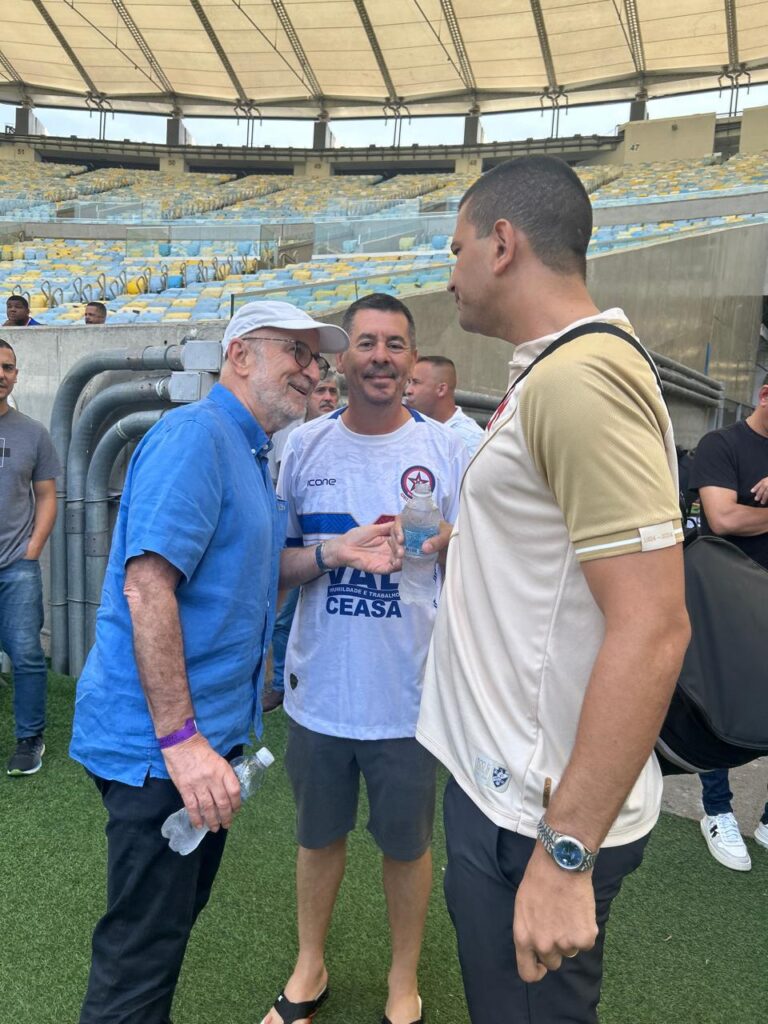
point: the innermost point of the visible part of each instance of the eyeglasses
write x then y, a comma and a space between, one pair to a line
9, 367
302, 353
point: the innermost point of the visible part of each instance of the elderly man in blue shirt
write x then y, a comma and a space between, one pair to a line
172, 687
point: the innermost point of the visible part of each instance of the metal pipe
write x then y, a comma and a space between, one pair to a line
111, 400
474, 400
692, 396
672, 364
97, 533
672, 377
159, 357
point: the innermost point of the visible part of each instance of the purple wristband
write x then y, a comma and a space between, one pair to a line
187, 730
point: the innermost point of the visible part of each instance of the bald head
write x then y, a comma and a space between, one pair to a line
431, 389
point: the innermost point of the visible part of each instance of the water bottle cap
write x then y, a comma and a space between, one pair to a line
265, 756
422, 488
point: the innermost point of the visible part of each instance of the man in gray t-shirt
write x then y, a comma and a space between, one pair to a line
28, 467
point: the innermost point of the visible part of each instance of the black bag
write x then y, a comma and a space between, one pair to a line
718, 717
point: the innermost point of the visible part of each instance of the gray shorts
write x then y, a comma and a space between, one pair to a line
400, 778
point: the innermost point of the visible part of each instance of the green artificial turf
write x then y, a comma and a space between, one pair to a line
687, 944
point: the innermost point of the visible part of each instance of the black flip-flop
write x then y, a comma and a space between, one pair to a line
291, 1012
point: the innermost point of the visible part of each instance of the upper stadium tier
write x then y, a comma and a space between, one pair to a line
368, 58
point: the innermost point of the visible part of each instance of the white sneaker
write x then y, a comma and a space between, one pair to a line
761, 834
724, 840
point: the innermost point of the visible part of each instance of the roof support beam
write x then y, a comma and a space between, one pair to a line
546, 52
297, 48
374, 44
732, 31
216, 44
467, 74
635, 38
49, 21
9, 69
142, 44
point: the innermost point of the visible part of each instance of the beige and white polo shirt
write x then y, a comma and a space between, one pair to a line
580, 465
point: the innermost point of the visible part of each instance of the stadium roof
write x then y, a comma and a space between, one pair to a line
369, 58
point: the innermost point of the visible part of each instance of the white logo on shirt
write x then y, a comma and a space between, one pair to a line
490, 774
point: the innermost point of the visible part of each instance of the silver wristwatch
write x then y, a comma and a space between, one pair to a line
568, 853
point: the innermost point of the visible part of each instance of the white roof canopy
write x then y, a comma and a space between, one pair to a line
366, 58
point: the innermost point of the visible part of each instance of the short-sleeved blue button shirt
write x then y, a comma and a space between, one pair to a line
198, 492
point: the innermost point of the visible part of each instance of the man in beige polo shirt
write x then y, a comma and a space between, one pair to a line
562, 624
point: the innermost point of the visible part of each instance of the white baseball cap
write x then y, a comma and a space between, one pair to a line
285, 317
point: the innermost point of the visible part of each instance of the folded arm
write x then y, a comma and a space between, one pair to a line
725, 515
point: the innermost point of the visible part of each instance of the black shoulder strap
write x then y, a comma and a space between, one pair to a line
595, 327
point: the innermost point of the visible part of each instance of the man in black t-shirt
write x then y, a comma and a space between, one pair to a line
730, 471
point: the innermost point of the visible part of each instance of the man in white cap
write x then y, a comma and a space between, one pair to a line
171, 689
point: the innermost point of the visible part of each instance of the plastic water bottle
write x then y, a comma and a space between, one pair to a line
182, 835
420, 520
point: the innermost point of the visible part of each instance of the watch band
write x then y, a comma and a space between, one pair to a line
564, 849
319, 558
187, 731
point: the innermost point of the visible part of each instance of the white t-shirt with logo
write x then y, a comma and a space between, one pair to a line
356, 654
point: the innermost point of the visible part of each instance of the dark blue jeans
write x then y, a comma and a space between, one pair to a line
716, 794
280, 637
21, 619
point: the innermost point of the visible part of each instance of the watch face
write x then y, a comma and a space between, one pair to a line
568, 853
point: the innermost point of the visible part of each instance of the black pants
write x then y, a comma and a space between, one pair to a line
485, 867
153, 898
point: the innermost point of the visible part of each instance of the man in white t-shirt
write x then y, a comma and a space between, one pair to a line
562, 623
356, 713
432, 391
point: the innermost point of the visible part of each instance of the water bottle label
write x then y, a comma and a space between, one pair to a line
415, 537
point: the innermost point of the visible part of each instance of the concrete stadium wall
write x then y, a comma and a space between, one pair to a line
166, 232
46, 354
690, 296
754, 130
689, 208
669, 138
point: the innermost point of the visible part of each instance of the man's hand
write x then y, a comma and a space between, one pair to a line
554, 916
760, 491
205, 781
435, 545
365, 548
